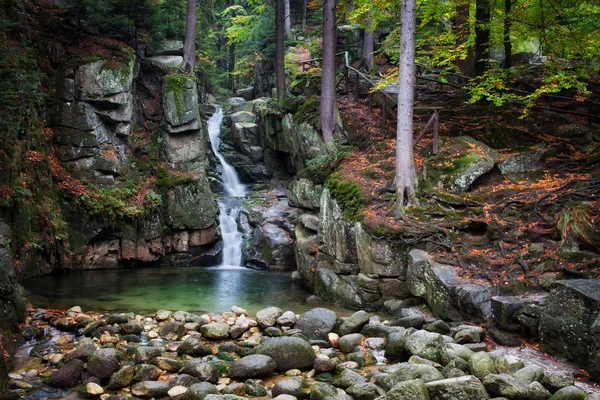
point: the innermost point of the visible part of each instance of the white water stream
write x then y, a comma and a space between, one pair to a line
231, 203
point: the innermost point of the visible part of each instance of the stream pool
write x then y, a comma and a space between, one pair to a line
193, 289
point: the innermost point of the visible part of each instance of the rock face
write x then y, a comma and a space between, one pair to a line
570, 322
469, 160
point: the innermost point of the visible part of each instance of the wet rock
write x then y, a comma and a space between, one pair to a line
324, 364
68, 375
317, 323
93, 389
202, 370
288, 318
395, 350
172, 330
150, 389
215, 330
569, 393
467, 335
464, 387
524, 160
121, 378
131, 328
177, 392
103, 363
557, 380
481, 364
450, 351
167, 364
354, 323
347, 378
424, 344
537, 391
252, 366
405, 371
184, 380
268, 316
236, 388
146, 372
365, 391
288, 352
415, 321
144, 354
241, 325
529, 374
504, 385
302, 193
199, 391
290, 386
408, 390
321, 390
351, 342
508, 364
192, 346
254, 389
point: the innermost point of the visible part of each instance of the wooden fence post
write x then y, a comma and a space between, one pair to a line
436, 131
383, 112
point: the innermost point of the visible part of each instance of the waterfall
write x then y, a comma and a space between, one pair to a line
231, 204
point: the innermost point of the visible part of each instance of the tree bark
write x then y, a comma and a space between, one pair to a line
279, 48
189, 47
405, 167
462, 28
507, 42
304, 7
482, 35
328, 95
288, 20
368, 45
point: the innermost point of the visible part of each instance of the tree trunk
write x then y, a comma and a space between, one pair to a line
328, 96
232, 68
279, 48
507, 42
461, 25
405, 167
189, 47
304, 7
368, 45
482, 35
288, 20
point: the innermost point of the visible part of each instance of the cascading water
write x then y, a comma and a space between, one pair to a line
231, 204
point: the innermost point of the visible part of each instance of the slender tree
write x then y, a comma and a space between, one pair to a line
405, 168
482, 35
288, 20
279, 48
461, 26
189, 47
328, 96
506, 34
304, 7
366, 61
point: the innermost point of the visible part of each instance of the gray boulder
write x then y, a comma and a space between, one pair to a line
365, 391
569, 393
291, 386
460, 388
150, 389
425, 344
524, 160
481, 364
268, 316
529, 374
198, 391
349, 343
288, 352
320, 390
68, 375
394, 349
557, 380
537, 391
413, 389
202, 370
103, 363
192, 347
347, 378
143, 354
354, 323
303, 193
252, 366
504, 385
121, 378
405, 372
317, 323
215, 330
172, 330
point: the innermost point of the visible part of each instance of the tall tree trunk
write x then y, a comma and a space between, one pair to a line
189, 47
232, 68
405, 167
461, 25
288, 20
482, 35
366, 61
304, 7
279, 48
507, 42
328, 96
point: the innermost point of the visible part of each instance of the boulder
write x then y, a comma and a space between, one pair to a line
198, 391
405, 371
424, 344
523, 160
268, 316
215, 330
413, 389
463, 387
394, 349
365, 391
150, 389
320, 390
570, 323
291, 386
172, 330
481, 365
146, 372
143, 354
303, 193
354, 323
347, 378
252, 366
529, 374
569, 393
317, 323
460, 161
288, 352
180, 101
202, 370
193, 347
504, 385
377, 256
349, 343
103, 363
68, 375
164, 48
191, 206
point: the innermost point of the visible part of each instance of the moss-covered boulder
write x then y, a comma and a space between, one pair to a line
106, 80
191, 206
180, 103
459, 163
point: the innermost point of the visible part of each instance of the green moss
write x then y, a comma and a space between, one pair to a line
170, 178
371, 173
177, 83
309, 111
348, 195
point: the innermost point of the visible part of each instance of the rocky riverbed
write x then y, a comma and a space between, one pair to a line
275, 354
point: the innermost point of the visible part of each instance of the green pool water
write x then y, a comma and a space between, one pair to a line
193, 289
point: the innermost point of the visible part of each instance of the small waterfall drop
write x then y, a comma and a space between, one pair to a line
231, 204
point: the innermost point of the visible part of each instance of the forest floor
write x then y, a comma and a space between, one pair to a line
505, 228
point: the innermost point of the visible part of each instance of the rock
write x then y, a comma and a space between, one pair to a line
254, 389
150, 389
524, 160
290, 386
347, 378
191, 346
122, 378
324, 364
268, 316
302, 193
177, 392
450, 351
288, 352
241, 325
202, 370
164, 48
362, 358
168, 364
103, 363
414, 321
93, 389
116, 319
172, 330
508, 364
239, 310
468, 159
529, 374
354, 323
375, 256
365, 391
555, 381
424, 344
235, 388
408, 390
215, 330
504, 385
146, 372
317, 323
395, 350
143, 354
320, 390
131, 328
569, 393
406, 371
252, 366
537, 391
199, 391
481, 364
68, 375
463, 387
569, 323
467, 335
288, 318
351, 342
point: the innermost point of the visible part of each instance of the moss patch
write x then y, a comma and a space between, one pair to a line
348, 195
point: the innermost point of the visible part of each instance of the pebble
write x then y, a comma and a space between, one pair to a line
93, 389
